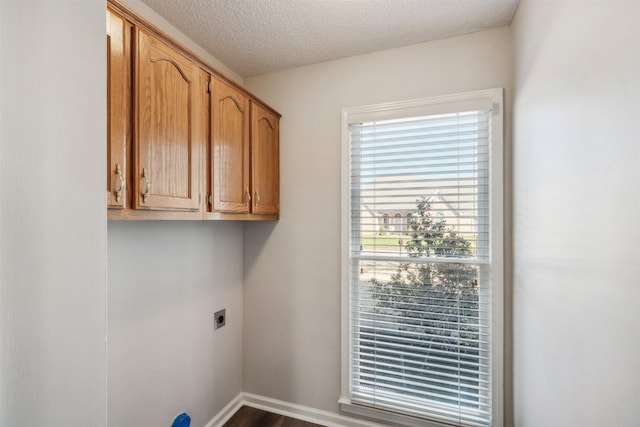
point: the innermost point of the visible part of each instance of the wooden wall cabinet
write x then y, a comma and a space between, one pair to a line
229, 151
184, 142
118, 109
168, 131
243, 157
265, 161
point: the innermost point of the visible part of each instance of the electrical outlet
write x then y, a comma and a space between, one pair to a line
219, 319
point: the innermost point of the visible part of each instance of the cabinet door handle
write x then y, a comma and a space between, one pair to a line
147, 190
248, 194
257, 198
120, 189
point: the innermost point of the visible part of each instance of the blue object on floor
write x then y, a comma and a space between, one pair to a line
182, 420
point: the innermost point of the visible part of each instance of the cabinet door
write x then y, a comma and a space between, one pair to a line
265, 152
230, 149
118, 108
169, 91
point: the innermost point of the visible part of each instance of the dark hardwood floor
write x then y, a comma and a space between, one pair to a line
251, 417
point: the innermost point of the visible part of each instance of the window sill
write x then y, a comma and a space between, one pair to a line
387, 416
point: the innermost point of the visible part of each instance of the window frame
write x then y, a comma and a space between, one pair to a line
412, 108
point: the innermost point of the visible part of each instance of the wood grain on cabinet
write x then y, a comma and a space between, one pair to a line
169, 90
170, 142
265, 162
118, 109
229, 169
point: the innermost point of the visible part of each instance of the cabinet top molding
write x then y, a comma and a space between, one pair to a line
137, 20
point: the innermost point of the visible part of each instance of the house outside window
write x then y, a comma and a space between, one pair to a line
422, 318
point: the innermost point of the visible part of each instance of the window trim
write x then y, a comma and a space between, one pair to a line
427, 106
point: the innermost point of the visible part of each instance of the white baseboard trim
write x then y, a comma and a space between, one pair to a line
304, 413
227, 412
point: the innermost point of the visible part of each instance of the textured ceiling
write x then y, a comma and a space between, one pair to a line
261, 36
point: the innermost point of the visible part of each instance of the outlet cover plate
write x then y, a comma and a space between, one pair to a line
219, 319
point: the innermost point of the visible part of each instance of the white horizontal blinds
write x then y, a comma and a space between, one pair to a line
419, 254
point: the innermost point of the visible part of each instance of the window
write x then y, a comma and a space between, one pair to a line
385, 220
422, 315
397, 223
409, 219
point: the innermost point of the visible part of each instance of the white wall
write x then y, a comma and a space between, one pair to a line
292, 268
576, 209
52, 213
165, 281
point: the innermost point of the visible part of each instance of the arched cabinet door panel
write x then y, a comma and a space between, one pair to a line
265, 152
230, 149
168, 105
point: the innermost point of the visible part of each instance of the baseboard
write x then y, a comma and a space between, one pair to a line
227, 412
304, 413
